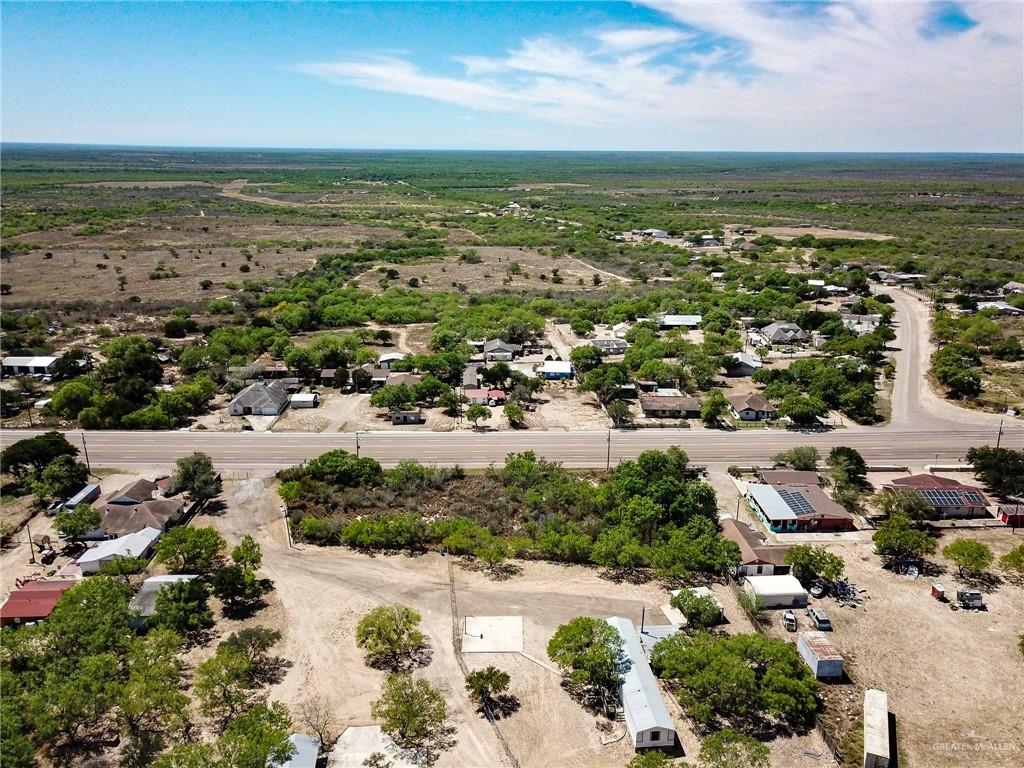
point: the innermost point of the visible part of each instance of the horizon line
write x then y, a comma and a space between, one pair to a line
257, 148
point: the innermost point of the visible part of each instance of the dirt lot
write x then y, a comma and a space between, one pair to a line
932, 656
195, 248
323, 592
558, 407
785, 233
536, 272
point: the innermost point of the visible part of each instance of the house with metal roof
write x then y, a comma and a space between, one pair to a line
742, 364
259, 399
666, 322
797, 507
612, 346
390, 358
948, 497
138, 544
496, 349
784, 333
33, 601
555, 369
40, 365
647, 719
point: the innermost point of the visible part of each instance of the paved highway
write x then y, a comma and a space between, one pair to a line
268, 451
924, 429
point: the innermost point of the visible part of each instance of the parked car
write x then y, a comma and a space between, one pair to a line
819, 619
55, 506
789, 620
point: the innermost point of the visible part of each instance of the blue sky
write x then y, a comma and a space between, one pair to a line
844, 76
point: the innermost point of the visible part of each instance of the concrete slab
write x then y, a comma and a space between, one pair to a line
493, 634
358, 742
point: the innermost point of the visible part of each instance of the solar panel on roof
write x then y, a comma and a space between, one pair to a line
974, 497
796, 502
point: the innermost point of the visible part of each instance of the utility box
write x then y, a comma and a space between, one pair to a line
820, 655
938, 591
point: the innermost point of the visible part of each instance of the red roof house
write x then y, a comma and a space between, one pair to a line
32, 601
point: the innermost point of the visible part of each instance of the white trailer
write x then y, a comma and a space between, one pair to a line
776, 591
876, 729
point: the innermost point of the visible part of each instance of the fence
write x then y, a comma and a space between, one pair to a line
457, 646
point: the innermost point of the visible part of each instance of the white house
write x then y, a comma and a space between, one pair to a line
138, 544
259, 399
680, 321
647, 719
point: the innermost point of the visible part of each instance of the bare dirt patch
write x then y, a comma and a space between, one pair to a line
499, 267
787, 233
926, 657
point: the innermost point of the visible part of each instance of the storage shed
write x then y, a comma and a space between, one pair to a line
820, 655
144, 600
647, 719
776, 591
876, 729
304, 400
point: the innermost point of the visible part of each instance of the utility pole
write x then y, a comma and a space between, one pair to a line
31, 546
608, 459
357, 443
999, 435
88, 466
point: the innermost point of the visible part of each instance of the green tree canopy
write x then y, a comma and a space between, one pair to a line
968, 556
411, 711
483, 685
810, 563
749, 680
196, 475
730, 749
389, 634
803, 457
189, 550
700, 611
77, 522
590, 651
1001, 469
898, 539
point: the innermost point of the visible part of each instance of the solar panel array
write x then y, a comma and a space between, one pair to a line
949, 498
796, 502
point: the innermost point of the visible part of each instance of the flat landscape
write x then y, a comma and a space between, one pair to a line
500, 355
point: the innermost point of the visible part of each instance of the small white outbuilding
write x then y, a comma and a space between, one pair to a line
647, 719
820, 655
304, 400
776, 591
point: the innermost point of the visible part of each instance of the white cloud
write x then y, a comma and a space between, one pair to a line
857, 75
638, 38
